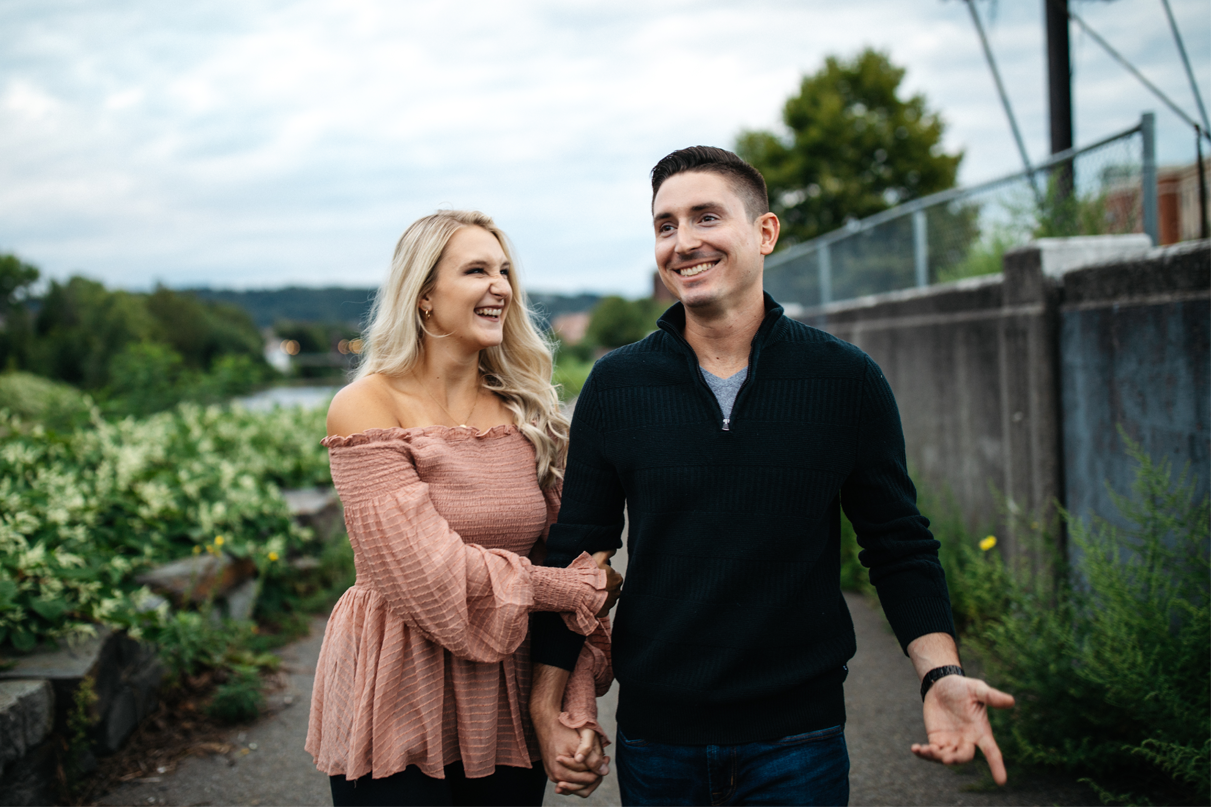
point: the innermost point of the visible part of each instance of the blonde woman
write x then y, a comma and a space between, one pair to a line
447, 451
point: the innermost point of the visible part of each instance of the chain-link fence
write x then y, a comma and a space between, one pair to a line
1106, 187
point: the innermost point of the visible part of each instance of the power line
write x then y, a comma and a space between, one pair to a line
1131, 68
1181, 48
996, 77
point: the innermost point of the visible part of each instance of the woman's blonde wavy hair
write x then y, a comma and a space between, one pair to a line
518, 369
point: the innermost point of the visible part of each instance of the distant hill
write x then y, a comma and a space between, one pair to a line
336, 304
302, 304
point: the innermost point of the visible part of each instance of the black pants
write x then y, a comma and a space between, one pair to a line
506, 787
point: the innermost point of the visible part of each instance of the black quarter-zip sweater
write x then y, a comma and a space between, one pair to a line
731, 627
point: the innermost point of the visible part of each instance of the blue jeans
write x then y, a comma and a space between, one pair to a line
810, 768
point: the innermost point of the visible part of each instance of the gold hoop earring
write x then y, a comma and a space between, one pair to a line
428, 312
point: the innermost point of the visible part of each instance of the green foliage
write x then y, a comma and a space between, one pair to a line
80, 722
1109, 658
1061, 214
617, 321
983, 258
570, 375
852, 148
57, 406
16, 277
81, 513
148, 377
240, 698
135, 353
854, 576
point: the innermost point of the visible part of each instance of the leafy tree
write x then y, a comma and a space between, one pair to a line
617, 321
16, 277
852, 148
81, 326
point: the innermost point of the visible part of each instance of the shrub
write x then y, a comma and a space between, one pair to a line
39, 400
239, 699
1109, 659
82, 513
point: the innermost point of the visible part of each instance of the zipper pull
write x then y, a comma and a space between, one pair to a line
727, 424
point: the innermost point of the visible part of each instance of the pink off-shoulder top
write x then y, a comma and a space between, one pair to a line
426, 659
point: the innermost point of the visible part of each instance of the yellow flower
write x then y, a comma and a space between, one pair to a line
273, 556
218, 540
197, 550
988, 543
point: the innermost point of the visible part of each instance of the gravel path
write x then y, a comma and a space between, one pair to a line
268, 765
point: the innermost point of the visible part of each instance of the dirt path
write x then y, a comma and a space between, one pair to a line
270, 767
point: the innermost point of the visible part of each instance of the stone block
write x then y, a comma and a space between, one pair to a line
240, 601
317, 508
198, 578
27, 715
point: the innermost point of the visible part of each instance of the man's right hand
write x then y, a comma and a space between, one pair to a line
613, 581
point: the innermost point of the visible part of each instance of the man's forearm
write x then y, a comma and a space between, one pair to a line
931, 651
546, 692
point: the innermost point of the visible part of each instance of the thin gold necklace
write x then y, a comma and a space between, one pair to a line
467, 419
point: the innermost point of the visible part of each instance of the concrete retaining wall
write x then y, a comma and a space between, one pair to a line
1011, 385
1134, 340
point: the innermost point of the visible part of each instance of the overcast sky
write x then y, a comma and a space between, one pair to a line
263, 143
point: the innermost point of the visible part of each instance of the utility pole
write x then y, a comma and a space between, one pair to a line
1059, 92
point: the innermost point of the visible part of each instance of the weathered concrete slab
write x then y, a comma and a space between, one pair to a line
27, 715
71, 662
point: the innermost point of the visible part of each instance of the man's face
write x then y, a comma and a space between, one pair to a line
708, 251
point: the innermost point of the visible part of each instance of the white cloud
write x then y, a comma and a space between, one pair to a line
291, 141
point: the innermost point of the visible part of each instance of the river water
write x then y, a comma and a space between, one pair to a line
306, 397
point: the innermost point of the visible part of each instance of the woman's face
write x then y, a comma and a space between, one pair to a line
471, 295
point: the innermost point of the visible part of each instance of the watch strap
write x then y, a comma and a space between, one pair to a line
936, 673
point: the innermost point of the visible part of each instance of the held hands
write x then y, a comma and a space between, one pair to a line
613, 581
572, 758
956, 721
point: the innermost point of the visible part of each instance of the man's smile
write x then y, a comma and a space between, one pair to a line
696, 269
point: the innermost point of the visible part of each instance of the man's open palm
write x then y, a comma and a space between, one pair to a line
956, 721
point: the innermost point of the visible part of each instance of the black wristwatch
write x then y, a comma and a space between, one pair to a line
936, 673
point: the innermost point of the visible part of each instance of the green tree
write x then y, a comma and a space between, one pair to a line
852, 148
16, 277
617, 321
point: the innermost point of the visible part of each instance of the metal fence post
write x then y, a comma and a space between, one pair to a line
1148, 178
825, 264
920, 247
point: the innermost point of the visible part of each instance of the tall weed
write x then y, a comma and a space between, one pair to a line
1109, 658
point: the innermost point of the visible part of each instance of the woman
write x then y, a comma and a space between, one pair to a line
447, 451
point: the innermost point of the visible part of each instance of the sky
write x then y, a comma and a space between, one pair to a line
265, 143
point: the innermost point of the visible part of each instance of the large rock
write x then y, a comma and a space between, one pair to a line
125, 674
27, 715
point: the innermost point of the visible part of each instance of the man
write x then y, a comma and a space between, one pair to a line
733, 436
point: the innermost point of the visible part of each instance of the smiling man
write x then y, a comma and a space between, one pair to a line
734, 436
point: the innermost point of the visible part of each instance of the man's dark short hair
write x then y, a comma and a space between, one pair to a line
745, 180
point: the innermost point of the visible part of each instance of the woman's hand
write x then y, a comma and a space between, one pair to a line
613, 581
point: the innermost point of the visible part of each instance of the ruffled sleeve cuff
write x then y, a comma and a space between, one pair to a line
589, 680
576, 592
